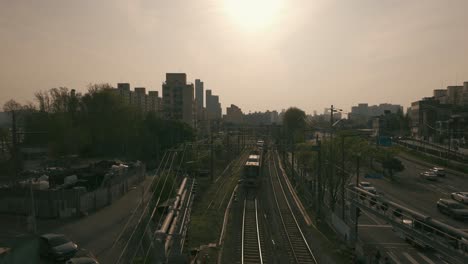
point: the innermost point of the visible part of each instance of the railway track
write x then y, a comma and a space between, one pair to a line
299, 250
251, 235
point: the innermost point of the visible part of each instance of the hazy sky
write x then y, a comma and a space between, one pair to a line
257, 54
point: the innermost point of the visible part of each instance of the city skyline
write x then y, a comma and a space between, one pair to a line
234, 131
303, 54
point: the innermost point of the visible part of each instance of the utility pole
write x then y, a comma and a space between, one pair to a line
14, 141
243, 138
238, 142
332, 110
33, 210
342, 178
212, 157
449, 143
292, 162
319, 178
228, 145
357, 184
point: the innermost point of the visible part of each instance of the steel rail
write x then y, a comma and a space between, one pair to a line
300, 248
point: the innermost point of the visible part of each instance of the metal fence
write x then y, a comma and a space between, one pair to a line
65, 203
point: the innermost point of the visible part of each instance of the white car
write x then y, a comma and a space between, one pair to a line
438, 171
429, 175
460, 196
367, 186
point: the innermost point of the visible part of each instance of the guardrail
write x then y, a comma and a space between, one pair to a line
435, 151
434, 234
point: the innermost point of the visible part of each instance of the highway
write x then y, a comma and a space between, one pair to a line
415, 193
410, 190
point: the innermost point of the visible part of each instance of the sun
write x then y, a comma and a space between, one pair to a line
253, 14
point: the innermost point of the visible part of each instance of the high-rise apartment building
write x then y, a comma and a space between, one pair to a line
199, 101
123, 90
153, 102
139, 98
453, 95
199, 94
213, 106
178, 101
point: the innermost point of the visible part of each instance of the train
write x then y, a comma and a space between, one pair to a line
253, 167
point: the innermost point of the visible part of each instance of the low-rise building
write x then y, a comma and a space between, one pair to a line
424, 115
234, 115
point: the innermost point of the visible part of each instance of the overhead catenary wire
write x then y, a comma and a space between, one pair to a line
141, 202
142, 215
143, 212
157, 203
160, 219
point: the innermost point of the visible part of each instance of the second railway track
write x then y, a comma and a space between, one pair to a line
251, 234
300, 251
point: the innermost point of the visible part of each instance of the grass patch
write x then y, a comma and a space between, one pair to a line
208, 209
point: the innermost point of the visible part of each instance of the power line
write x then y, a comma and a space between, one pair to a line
156, 205
141, 202
140, 219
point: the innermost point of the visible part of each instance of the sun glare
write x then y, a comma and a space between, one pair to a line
253, 14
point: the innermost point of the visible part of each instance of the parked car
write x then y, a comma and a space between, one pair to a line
438, 171
82, 260
460, 196
367, 186
57, 247
429, 175
452, 208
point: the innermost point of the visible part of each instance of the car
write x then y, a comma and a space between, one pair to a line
460, 196
429, 175
452, 208
57, 247
82, 260
438, 171
367, 186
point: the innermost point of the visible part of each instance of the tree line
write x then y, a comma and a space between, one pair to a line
337, 163
95, 124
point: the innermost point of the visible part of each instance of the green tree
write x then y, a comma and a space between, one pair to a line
99, 123
294, 121
392, 165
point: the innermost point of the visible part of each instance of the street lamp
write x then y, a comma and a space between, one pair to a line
356, 219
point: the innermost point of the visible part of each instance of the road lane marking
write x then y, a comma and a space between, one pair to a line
384, 226
438, 189
411, 259
386, 245
426, 258
371, 217
393, 257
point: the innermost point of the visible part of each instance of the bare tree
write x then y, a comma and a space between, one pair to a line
43, 99
12, 106
59, 99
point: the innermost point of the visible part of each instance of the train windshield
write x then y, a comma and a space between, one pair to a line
251, 171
